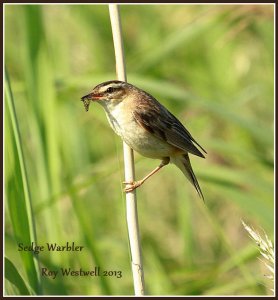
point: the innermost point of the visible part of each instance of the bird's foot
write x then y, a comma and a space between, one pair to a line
131, 186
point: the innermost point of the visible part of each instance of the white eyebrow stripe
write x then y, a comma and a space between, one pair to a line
113, 85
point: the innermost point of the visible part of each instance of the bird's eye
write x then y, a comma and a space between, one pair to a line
110, 90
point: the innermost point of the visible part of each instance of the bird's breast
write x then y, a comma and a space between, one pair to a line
134, 135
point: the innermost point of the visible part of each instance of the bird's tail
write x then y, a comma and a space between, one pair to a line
183, 163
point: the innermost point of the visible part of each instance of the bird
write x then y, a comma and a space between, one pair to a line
147, 127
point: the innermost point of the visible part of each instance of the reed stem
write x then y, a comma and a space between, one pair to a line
131, 202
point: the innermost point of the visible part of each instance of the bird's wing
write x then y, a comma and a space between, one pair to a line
157, 120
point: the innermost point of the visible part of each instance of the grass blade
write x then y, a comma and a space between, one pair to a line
17, 190
12, 274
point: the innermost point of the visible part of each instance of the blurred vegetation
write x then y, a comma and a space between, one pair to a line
212, 66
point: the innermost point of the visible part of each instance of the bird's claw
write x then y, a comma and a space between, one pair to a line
131, 185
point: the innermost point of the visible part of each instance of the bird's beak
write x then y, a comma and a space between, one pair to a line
90, 97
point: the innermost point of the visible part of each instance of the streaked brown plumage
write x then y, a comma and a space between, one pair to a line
147, 127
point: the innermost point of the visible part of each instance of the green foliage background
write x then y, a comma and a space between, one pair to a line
212, 66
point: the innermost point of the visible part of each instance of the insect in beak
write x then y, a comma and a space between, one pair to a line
90, 97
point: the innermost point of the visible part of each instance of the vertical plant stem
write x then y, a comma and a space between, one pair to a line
28, 233
131, 202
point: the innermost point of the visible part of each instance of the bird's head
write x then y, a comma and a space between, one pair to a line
112, 92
